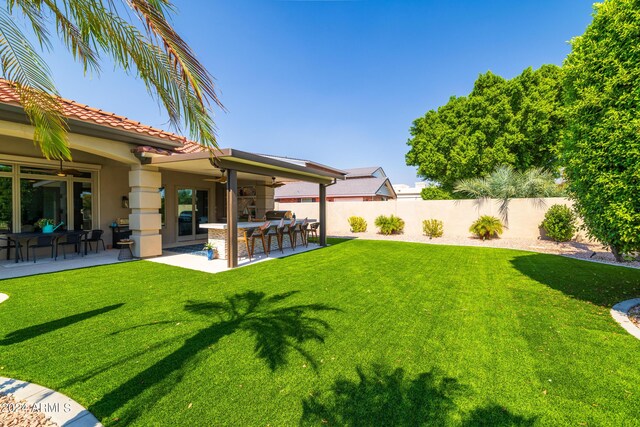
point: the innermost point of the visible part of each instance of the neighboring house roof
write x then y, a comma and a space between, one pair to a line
368, 172
74, 110
346, 188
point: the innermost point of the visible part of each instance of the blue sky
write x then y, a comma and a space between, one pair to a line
340, 82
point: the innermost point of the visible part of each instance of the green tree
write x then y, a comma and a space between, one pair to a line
151, 49
505, 183
517, 122
433, 192
602, 153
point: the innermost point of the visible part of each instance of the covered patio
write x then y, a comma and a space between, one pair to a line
230, 166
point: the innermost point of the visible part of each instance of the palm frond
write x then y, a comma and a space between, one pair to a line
30, 76
161, 58
197, 80
78, 42
33, 12
474, 187
171, 72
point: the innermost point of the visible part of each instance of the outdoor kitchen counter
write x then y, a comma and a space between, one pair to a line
217, 236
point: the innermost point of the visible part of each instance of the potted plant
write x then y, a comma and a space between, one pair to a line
45, 224
211, 250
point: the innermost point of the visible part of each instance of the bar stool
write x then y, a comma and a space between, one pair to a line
247, 234
313, 230
301, 229
260, 233
290, 230
278, 231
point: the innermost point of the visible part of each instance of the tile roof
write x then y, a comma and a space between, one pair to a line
85, 113
344, 188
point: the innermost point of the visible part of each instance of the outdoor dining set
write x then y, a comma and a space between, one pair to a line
31, 241
285, 228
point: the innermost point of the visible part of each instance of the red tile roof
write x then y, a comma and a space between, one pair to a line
85, 113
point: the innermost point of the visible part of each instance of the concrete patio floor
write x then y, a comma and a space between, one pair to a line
201, 263
10, 269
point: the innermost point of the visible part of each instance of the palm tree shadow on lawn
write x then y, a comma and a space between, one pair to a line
386, 397
278, 330
34, 331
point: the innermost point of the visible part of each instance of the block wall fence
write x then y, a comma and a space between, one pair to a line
525, 215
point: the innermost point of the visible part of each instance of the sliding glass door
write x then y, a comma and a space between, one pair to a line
193, 210
6, 198
32, 192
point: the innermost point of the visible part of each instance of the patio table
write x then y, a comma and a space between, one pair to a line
21, 237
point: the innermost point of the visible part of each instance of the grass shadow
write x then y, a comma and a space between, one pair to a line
388, 397
44, 328
277, 329
600, 284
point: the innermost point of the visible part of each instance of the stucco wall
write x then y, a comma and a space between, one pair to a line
525, 215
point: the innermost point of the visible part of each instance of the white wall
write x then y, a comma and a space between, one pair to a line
525, 215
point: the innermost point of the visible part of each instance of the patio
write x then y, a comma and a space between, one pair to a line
10, 269
192, 258
197, 260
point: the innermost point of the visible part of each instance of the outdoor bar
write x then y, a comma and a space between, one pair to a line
231, 163
218, 236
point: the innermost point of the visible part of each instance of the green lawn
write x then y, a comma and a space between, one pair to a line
360, 333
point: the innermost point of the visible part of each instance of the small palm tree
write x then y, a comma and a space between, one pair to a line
505, 183
152, 50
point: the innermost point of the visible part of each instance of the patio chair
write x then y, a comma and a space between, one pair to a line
313, 230
260, 233
8, 244
95, 236
43, 241
71, 239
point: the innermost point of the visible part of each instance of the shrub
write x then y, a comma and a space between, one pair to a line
486, 227
559, 223
358, 224
435, 193
432, 228
390, 224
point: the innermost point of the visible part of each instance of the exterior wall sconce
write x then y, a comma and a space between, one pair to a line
125, 202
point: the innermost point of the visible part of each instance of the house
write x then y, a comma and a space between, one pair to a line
361, 185
405, 192
159, 184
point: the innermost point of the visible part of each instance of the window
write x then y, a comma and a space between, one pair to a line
162, 212
82, 206
42, 198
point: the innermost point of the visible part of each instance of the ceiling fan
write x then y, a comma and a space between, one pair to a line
274, 183
221, 180
67, 172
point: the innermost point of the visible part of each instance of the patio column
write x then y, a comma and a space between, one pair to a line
232, 218
323, 215
144, 201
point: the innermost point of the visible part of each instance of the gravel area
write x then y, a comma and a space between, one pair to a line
634, 315
575, 249
20, 414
